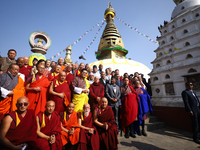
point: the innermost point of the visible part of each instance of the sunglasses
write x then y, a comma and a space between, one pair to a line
21, 104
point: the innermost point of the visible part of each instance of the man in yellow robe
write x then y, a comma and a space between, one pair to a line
81, 89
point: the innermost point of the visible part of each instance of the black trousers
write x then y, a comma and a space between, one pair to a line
195, 123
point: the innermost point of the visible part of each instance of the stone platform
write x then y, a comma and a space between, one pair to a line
159, 139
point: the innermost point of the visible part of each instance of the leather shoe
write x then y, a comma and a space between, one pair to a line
132, 135
126, 136
144, 133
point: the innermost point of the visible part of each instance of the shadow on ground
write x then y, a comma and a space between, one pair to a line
174, 133
140, 145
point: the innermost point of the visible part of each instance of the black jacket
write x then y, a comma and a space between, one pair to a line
101, 81
190, 101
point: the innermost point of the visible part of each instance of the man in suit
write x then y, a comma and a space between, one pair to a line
103, 80
191, 102
113, 95
118, 81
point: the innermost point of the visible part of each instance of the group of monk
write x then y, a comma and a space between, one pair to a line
59, 106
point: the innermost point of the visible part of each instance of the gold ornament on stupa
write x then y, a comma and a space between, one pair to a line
111, 44
68, 59
178, 1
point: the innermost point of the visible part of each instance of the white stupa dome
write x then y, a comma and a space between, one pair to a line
124, 66
183, 6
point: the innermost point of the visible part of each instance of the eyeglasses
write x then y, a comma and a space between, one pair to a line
21, 104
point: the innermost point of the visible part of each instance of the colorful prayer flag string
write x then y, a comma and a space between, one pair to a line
137, 30
91, 41
78, 40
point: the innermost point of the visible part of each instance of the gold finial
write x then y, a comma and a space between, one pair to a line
69, 47
109, 6
178, 1
40, 41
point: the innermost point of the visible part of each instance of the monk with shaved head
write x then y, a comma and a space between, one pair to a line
37, 86
18, 128
25, 69
54, 76
97, 92
70, 128
106, 126
49, 128
61, 63
69, 76
60, 92
77, 72
89, 137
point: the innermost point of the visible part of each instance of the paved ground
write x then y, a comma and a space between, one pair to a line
161, 139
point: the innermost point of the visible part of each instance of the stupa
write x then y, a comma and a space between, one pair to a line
177, 61
111, 51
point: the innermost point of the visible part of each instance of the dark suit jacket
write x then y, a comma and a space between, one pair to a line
190, 101
121, 83
101, 81
111, 94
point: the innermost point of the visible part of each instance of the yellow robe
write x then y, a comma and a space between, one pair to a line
80, 99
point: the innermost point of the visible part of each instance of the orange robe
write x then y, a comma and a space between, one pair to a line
9, 104
71, 123
37, 100
62, 67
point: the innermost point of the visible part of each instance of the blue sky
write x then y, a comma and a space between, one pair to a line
65, 21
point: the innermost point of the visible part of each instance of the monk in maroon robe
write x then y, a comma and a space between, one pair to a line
89, 137
53, 76
106, 127
60, 92
97, 92
129, 112
69, 76
49, 128
18, 128
25, 69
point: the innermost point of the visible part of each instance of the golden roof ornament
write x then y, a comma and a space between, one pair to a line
178, 1
110, 38
39, 47
68, 59
40, 41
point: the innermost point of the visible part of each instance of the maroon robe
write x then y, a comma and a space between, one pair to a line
69, 79
96, 90
26, 71
60, 88
52, 126
129, 107
53, 76
25, 132
88, 141
108, 138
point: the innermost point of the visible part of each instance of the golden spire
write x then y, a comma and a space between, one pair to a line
110, 37
178, 1
68, 59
